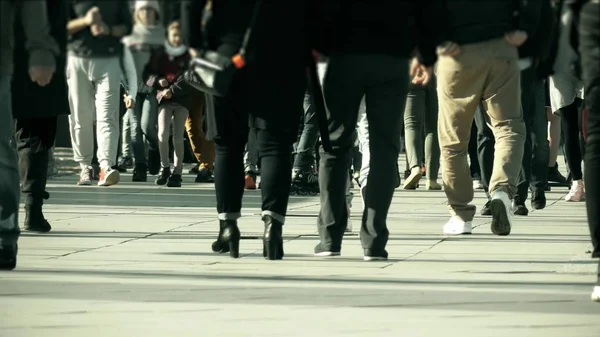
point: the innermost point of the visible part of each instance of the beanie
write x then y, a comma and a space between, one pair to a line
148, 4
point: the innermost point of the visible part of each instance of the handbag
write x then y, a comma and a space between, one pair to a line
213, 73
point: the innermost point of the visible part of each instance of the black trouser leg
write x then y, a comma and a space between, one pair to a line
384, 83
35, 138
590, 60
571, 118
473, 153
485, 147
229, 177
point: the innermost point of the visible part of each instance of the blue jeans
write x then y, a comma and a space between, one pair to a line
9, 171
305, 150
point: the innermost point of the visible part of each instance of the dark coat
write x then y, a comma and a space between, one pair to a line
29, 99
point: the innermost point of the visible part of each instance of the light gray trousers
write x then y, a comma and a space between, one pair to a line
94, 94
9, 171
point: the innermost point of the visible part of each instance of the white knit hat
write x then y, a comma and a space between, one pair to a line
147, 3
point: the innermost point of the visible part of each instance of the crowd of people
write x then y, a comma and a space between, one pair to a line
481, 91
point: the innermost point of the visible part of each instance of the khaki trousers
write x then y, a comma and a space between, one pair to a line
204, 150
486, 72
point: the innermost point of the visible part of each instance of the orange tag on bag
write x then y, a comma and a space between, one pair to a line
238, 61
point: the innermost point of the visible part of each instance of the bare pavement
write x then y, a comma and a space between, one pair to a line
135, 260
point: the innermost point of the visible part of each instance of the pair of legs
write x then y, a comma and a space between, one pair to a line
536, 150
149, 125
589, 31
274, 129
574, 146
9, 179
94, 85
175, 115
305, 149
132, 136
420, 128
383, 82
486, 72
204, 150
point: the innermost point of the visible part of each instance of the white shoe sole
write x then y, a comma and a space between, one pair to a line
412, 182
112, 178
466, 230
326, 254
375, 258
84, 183
596, 294
500, 218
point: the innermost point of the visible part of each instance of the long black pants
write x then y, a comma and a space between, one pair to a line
573, 147
275, 121
534, 174
35, 138
589, 31
383, 81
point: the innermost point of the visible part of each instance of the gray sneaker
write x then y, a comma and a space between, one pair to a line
85, 177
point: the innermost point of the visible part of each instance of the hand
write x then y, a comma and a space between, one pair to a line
448, 48
163, 83
93, 16
421, 74
99, 29
193, 52
41, 75
129, 102
167, 93
516, 38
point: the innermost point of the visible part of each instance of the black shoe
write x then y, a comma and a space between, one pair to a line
163, 176
140, 173
204, 175
486, 211
35, 221
372, 255
119, 168
272, 239
228, 239
153, 162
126, 162
8, 255
320, 250
538, 200
518, 207
195, 169
554, 176
174, 180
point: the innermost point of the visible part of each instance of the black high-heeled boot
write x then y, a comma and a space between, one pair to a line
272, 239
229, 239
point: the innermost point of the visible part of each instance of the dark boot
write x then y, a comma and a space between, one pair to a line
163, 176
228, 239
272, 239
35, 221
140, 173
153, 161
8, 255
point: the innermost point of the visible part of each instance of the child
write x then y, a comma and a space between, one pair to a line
166, 65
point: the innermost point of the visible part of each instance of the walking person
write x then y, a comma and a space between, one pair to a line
41, 49
37, 119
275, 121
479, 63
93, 74
589, 45
370, 59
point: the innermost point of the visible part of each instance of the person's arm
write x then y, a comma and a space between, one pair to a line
77, 24
125, 21
130, 72
40, 45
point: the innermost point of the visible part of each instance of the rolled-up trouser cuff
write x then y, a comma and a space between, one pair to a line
229, 216
276, 216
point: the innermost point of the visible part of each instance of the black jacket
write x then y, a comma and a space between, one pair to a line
390, 27
539, 43
51, 100
474, 21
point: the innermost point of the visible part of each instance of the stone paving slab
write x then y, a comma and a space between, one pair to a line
135, 260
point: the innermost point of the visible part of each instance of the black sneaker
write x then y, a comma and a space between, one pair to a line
163, 176
371, 255
35, 221
554, 176
320, 250
174, 180
140, 173
205, 175
126, 162
486, 210
518, 207
538, 200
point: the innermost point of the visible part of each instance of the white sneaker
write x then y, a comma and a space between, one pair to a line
577, 193
596, 294
500, 206
457, 226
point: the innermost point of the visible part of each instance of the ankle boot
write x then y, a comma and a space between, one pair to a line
228, 239
272, 239
35, 221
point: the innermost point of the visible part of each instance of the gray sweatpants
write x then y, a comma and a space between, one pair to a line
9, 172
94, 94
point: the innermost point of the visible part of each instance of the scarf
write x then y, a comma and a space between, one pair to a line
153, 35
175, 51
